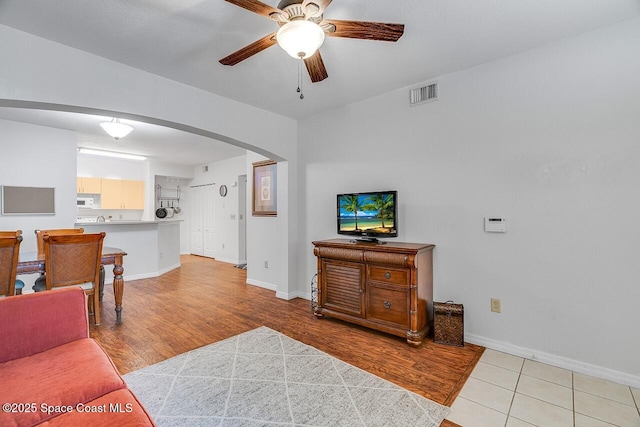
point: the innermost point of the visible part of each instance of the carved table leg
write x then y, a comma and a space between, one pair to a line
101, 282
118, 289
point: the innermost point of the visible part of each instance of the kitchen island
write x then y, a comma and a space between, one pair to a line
153, 247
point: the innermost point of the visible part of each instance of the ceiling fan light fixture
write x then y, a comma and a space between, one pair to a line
300, 38
115, 129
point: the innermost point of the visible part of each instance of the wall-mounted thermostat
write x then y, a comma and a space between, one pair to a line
495, 225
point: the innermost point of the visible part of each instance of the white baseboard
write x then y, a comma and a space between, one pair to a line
555, 360
168, 269
260, 284
272, 287
303, 295
127, 277
228, 260
292, 295
550, 359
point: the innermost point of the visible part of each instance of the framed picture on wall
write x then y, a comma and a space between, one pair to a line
265, 185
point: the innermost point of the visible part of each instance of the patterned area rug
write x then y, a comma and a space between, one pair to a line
264, 378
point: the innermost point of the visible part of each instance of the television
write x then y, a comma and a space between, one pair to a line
369, 215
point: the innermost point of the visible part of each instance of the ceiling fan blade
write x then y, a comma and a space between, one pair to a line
315, 67
322, 5
365, 30
250, 50
258, 7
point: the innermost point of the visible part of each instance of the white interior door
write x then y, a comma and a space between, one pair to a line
242, 221
197, 227
209, 221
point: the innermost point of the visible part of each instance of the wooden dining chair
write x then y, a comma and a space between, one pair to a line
74, 259
40, 281
9, 251
53, 232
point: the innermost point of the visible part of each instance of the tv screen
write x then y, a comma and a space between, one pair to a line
371, 215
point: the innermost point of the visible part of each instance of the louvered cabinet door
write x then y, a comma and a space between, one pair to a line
342, 287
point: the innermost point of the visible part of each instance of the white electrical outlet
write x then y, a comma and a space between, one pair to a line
266, 264
496, 306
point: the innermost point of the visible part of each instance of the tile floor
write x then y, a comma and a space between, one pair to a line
509, 391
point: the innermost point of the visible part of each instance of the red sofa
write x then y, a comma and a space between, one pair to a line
52, 373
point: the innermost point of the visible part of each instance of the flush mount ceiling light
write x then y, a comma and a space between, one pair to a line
115, 129
300, 38
110, 154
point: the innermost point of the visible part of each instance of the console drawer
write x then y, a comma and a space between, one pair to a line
395, 276
389, 305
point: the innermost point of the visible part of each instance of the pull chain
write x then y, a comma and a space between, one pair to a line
299, 90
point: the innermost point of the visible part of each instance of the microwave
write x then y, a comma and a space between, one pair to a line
85, 202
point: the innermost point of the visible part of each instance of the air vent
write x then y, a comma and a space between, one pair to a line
423, 94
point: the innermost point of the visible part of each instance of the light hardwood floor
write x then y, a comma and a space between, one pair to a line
206, 301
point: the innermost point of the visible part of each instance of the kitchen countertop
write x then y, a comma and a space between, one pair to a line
124, 222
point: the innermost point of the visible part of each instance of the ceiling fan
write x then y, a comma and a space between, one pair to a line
302, 22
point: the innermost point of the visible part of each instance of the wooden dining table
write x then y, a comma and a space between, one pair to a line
33, 262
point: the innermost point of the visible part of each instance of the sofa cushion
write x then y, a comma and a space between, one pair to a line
118, 408
37, 322
73, 373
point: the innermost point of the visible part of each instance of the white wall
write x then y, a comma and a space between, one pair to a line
548, 139
178, 189
170, 176
226, 208
106, 167
268, 238
38, 70
168, 241
36, 156
40, 73
265, 229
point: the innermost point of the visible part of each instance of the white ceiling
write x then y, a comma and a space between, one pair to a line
158, 143
183, 40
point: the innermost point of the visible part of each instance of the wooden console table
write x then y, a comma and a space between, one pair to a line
387, 287
31, 262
